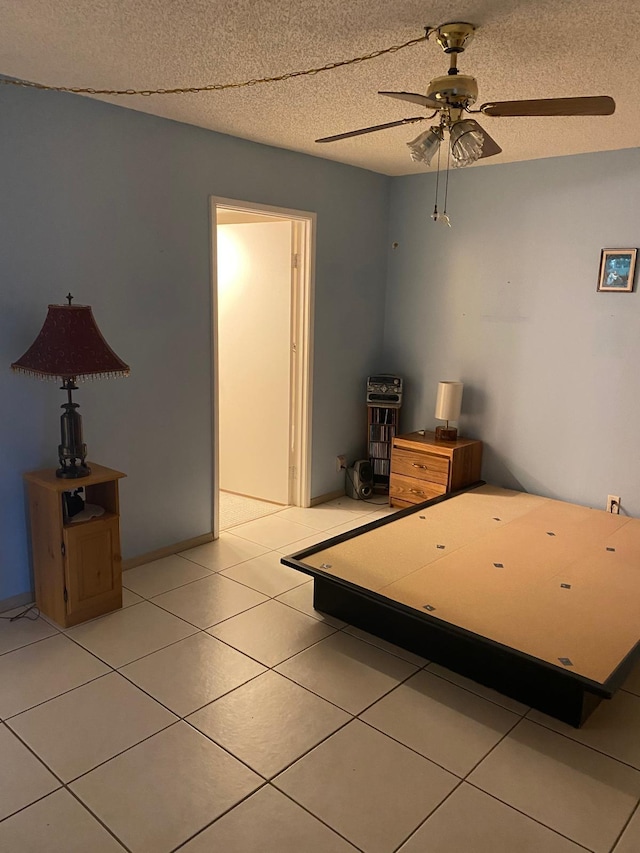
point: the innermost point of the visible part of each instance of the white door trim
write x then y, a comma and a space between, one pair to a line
304, 233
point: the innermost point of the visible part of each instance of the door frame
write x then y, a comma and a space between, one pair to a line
301, 362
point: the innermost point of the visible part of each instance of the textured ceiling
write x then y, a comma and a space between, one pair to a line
522, 49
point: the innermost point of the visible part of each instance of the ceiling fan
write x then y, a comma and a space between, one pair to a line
453, 94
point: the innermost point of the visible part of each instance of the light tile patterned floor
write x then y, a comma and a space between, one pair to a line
219, 711
238, 509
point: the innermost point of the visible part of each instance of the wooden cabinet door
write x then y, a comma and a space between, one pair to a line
93, 568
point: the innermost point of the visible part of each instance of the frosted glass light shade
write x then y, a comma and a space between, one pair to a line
448, 406
424, 146
467, 140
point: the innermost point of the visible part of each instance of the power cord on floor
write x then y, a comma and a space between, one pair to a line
31, 609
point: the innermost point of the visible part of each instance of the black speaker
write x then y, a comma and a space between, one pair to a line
359, 485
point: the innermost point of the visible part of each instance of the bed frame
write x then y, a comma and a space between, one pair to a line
412, 607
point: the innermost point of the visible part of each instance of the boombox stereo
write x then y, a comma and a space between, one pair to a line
359, 485
384, 390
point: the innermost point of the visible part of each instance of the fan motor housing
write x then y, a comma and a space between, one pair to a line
454, 89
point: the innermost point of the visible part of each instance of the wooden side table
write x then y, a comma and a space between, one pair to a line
77, 566
423, 468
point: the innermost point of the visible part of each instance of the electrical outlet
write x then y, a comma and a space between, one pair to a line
613, 504
341, 463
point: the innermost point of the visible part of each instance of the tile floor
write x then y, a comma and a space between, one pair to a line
237, 509
219, 712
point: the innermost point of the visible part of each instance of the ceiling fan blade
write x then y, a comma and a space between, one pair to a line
371, 129
594, 106
423, 100
490, 146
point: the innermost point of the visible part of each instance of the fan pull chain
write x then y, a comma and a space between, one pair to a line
446, 188
218, 87
434, 215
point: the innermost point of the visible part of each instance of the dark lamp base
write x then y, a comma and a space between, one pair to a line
73, 472
446, 433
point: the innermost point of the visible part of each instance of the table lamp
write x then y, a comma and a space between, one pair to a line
69, 346
448, 405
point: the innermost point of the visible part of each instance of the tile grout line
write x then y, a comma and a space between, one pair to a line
269, 779
32, 642
530, 817
431, 813
465, 781
274, 598
200, 707
216, 819
272, 669
179, 718
312, 531
51, 698
146, 654
473, 692
357, 716
100, 821
425, 667
95, 767
63, 786
265, 780
634, 811
217, 571
568, 737
321, 820
336, 631
210, 572
215, 624
495, 746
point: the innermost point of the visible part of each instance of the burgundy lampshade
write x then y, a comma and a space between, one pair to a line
70, 344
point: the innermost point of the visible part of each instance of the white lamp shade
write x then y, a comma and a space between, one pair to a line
449, 401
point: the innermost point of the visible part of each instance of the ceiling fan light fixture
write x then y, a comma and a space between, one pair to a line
467, 141
424, 146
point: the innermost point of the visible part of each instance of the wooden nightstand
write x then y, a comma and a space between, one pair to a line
77, 566
423, 468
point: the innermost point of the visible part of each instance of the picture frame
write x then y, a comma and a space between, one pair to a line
617, 270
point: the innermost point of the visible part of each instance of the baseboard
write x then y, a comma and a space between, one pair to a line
253, 498
16, 601
330, 496
167, 551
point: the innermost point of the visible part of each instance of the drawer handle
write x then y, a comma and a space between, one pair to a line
416, 465
416, 492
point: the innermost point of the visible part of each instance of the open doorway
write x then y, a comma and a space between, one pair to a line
262, 271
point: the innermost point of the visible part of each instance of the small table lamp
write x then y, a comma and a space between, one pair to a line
448, 405
70, 345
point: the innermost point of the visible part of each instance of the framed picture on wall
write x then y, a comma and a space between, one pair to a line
617, 270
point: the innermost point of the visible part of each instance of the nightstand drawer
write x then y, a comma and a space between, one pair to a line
423, 466
412, 490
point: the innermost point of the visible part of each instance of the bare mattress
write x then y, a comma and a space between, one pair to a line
537, 598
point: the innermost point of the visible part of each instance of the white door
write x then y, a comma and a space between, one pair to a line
254, 354
263, 261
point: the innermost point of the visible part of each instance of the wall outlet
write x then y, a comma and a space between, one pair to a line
341, 463
613, 504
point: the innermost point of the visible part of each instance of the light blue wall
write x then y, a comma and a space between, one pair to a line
506, 301
114, 205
